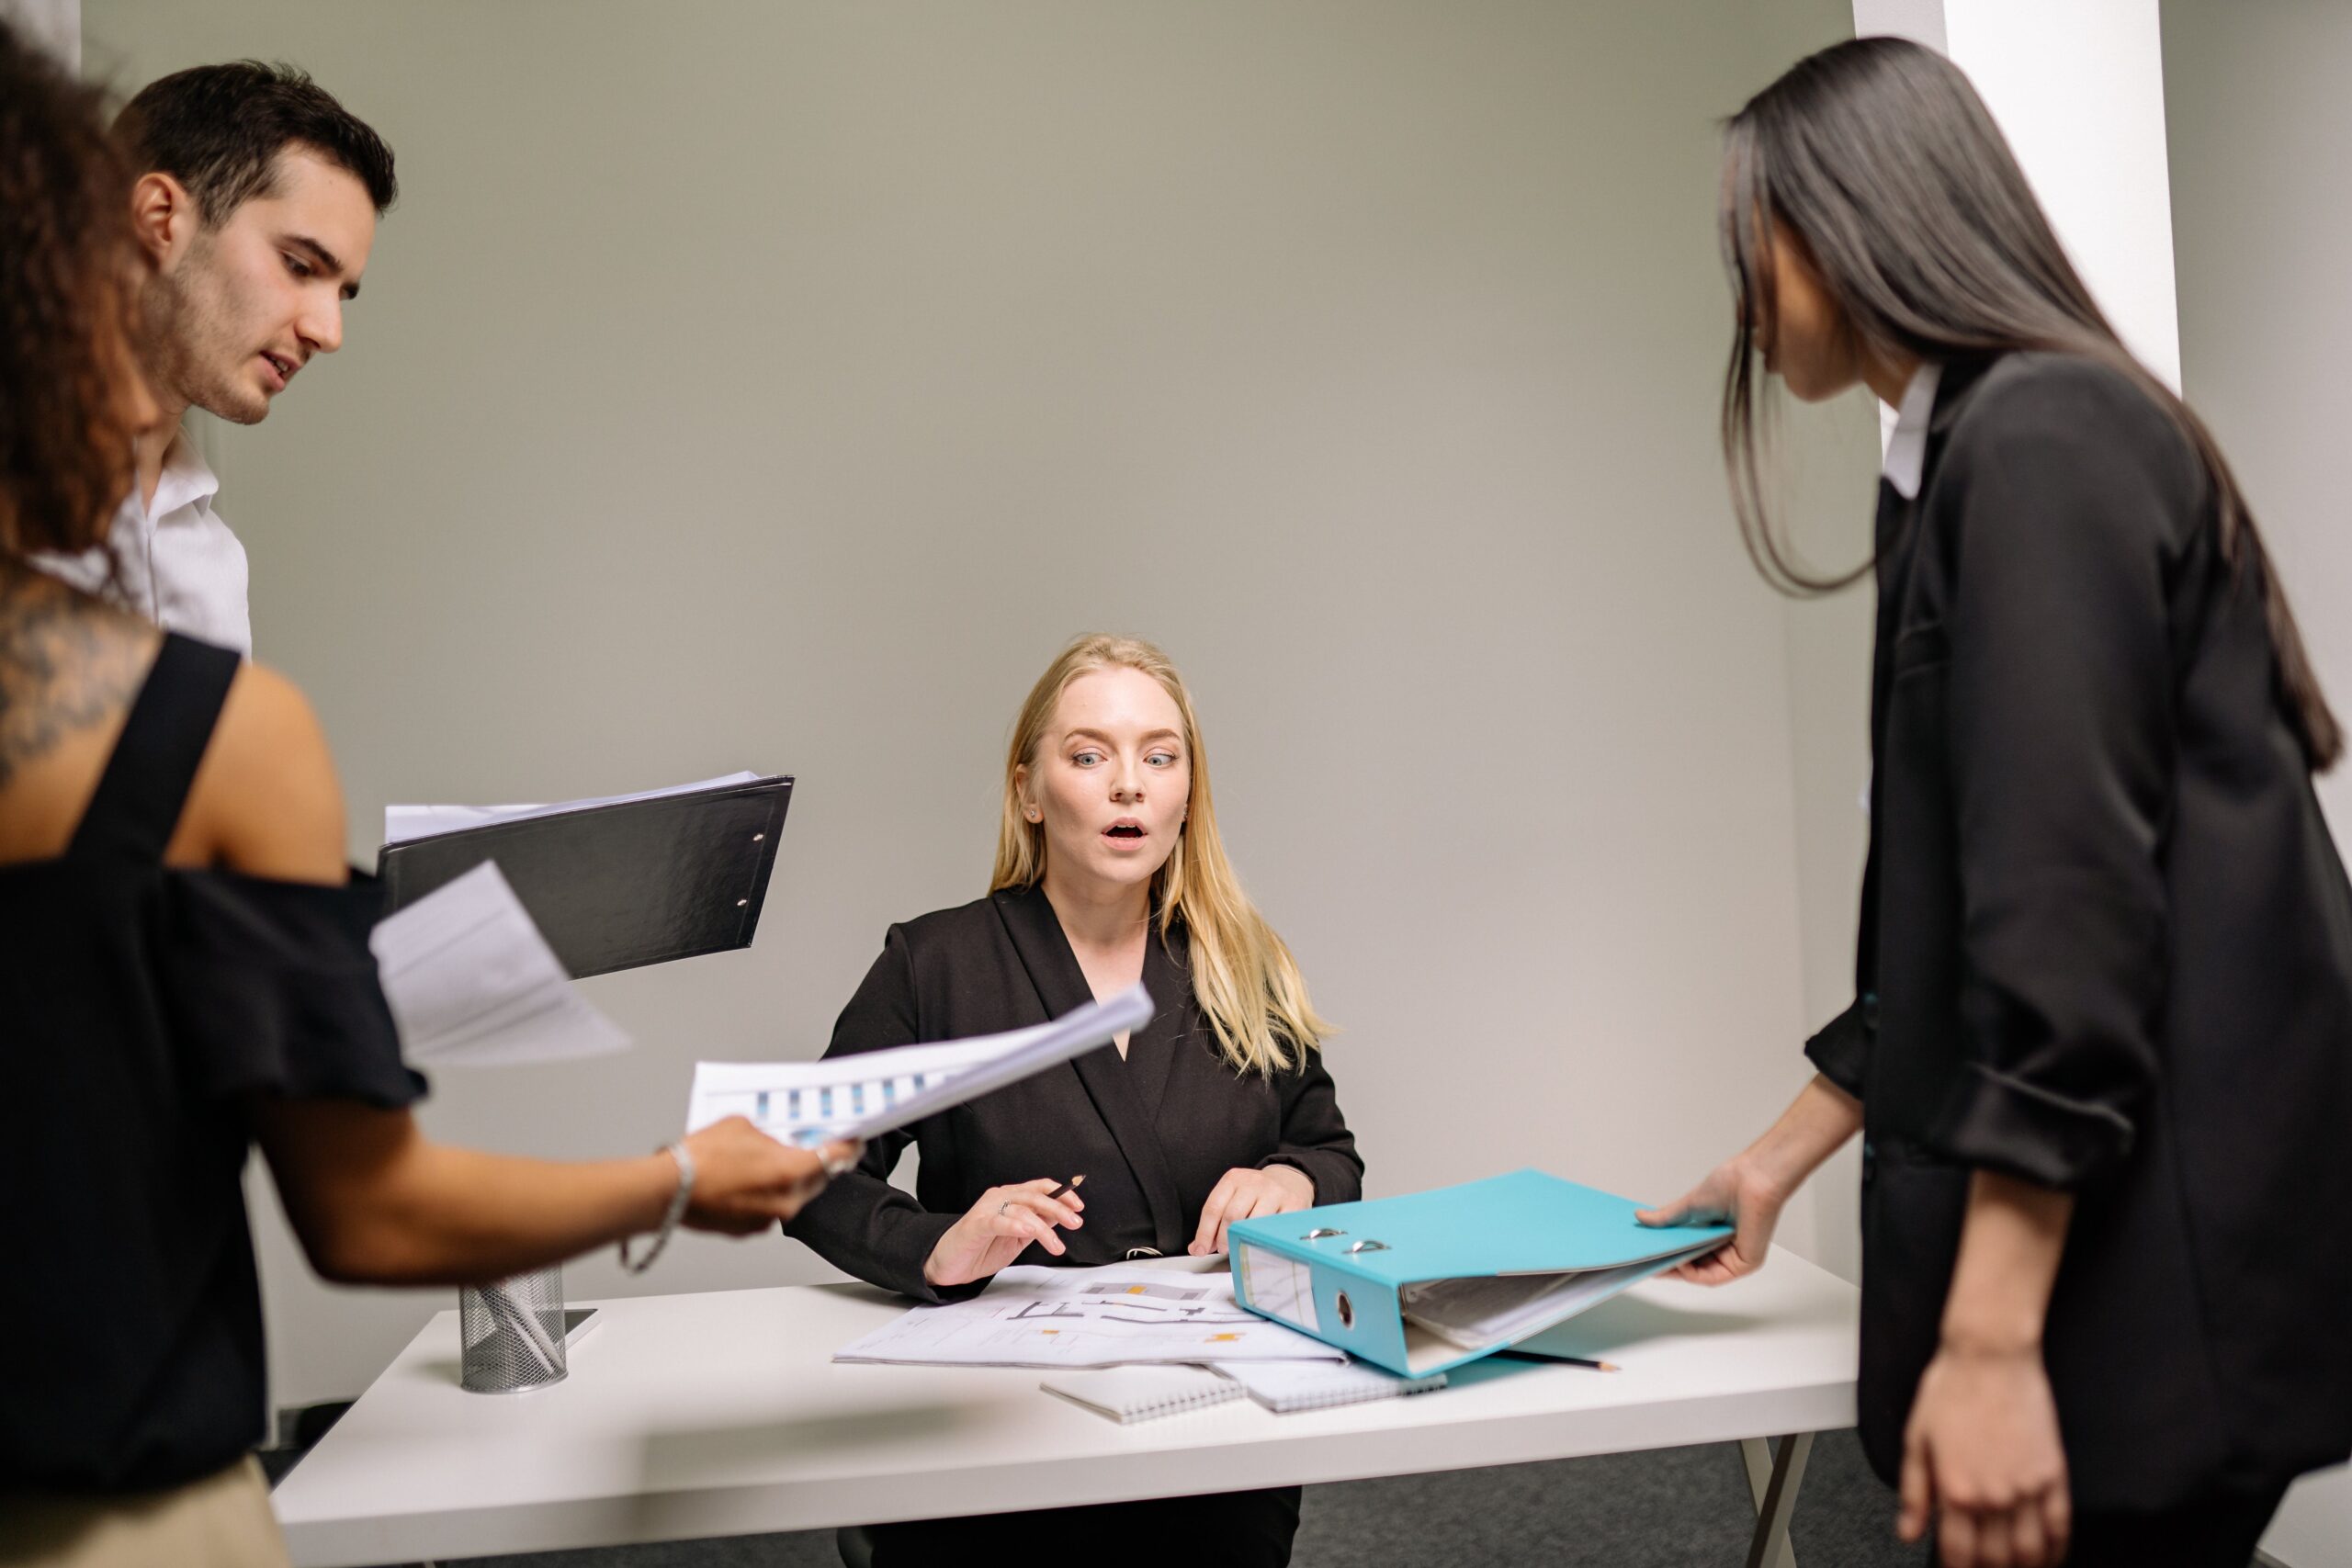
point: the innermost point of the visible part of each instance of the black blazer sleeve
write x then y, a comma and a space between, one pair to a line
2063, 502
861, 1224
1840, 1051
1314, 1138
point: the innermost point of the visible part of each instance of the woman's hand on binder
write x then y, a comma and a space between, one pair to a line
1734, 1194
1000, 1227
1748, 1190
746, 1181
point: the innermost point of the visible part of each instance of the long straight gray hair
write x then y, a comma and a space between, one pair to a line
1880, 161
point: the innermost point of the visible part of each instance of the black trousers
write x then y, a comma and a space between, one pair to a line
1246, 1530
2219, 1531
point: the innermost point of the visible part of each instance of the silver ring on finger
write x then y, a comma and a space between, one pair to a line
1004, 1207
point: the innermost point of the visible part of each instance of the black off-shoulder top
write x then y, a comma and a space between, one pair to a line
142, 1009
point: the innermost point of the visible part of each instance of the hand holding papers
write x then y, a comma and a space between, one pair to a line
1088, 1317
471, 981
875, 1091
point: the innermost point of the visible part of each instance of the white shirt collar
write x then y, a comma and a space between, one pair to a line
1906, 441
185, 479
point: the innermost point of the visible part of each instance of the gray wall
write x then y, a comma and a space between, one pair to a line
777, 386
2260, 134
1830, 459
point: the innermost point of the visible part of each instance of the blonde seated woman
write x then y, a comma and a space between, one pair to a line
1108, 870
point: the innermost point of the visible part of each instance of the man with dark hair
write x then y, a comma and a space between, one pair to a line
257, 197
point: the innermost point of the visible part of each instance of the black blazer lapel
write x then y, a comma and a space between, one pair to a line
1110, 1083
1152, 1053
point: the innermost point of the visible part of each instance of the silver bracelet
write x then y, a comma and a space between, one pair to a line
676, 1212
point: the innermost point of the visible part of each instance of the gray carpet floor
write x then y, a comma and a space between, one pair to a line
1663, 1509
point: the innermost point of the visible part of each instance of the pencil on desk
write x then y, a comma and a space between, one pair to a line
1517, 1355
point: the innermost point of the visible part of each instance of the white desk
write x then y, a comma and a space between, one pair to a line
721, 1414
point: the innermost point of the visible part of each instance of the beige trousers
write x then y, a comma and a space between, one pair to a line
222, 1521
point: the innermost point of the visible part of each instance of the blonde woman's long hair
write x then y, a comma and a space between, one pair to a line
1244, 977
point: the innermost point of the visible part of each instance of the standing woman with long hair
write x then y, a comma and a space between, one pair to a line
2101, 1047
185, 972
1109, 870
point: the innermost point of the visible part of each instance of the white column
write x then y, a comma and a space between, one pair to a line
2078, 89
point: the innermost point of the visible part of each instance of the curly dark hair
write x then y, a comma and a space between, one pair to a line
67, 266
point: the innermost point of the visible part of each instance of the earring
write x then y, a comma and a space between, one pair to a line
1033, 813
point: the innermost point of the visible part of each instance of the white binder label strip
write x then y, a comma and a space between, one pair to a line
1280, 1286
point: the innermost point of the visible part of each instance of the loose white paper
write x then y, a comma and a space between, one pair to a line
472, 983
1088, 1317
402, 823
874, 1091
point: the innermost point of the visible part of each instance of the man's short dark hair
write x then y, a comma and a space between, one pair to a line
219, 129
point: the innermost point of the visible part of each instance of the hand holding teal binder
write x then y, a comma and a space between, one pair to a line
1428, 1280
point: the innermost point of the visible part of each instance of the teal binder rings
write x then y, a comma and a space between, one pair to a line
1428, 1280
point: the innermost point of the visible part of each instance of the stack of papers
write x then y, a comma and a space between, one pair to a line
1174, 1340
1089, 1317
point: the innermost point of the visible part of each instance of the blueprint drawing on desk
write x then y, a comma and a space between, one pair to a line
1088, 1317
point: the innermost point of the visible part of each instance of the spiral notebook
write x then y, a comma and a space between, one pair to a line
1128, 1394
1286, 1386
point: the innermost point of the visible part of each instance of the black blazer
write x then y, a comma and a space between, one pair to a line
2106, 946
1152, 1132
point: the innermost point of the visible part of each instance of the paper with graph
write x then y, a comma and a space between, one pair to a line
874, 1091
1088, 1317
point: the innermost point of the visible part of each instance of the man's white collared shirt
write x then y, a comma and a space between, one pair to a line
179, 565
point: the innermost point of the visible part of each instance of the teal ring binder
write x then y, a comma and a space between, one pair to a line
1454, 1273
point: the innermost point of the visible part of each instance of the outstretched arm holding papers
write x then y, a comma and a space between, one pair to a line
857, 1098
871, 1095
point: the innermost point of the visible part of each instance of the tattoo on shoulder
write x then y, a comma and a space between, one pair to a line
66, 664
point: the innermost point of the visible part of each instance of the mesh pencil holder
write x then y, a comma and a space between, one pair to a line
511, 1332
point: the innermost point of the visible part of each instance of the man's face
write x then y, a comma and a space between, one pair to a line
234, 311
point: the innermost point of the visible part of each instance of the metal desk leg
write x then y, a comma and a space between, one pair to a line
1774, 1473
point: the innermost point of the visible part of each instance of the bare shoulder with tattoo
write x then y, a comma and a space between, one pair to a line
265, 800
69, 669
67, 664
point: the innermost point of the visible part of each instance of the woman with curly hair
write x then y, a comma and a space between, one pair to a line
186, 971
